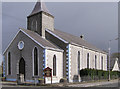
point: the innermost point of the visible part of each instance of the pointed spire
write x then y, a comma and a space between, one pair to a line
40, 6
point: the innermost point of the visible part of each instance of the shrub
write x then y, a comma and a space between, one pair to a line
99, 74
63, 80
41, 81
3, 78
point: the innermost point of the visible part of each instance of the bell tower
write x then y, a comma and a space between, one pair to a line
40, 19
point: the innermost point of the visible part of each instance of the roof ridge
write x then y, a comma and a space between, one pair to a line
93, 46
74, 36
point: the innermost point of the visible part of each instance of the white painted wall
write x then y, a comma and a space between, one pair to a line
59, 63
83, 59
74, 59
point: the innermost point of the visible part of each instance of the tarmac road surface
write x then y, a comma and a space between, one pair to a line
97, 85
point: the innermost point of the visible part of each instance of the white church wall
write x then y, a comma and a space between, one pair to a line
91, 58
98, 60
104, 61
74, 61
83, 59
59, 63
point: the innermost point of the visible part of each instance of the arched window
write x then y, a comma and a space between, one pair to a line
54, 65
87, 60
35, 61
102, 63
78, 62
9, 63
34, 25
95, 62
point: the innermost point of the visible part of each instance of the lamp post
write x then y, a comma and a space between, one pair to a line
109, 49
109, 59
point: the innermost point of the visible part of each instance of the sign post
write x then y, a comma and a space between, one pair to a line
47, 73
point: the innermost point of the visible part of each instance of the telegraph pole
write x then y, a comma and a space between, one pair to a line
109, 49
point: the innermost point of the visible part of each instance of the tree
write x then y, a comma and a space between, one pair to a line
1, 69
115, 55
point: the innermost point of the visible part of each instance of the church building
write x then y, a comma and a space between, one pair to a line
40, 45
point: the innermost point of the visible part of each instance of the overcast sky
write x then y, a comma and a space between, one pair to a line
96, 21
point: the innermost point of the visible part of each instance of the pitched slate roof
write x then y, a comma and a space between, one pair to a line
36, 37
40, 6
74, 40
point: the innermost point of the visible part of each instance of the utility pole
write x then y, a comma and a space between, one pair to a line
109, 49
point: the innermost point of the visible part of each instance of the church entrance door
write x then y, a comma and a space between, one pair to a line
22, 70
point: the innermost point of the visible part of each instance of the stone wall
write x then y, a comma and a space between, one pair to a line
37, 17
43, 21
26, 53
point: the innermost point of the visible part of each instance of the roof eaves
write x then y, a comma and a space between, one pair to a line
56, 36
84, 47
59, 50
32, 38
87, 47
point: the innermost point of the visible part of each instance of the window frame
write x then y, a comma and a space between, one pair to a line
54, 65
95, 61
88, 60
78, 60
101, 62
34, 61
9, 66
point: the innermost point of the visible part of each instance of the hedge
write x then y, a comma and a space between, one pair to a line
99, 73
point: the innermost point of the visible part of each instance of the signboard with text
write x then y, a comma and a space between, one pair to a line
47, 73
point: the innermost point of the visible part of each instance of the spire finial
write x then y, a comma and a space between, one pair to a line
40, 6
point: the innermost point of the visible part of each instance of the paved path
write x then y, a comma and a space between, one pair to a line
109, 85
113, 83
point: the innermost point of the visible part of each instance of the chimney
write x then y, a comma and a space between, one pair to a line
82, 37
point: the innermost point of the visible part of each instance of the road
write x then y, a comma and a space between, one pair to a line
60, 87
113, 83
110, 85
104, 85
